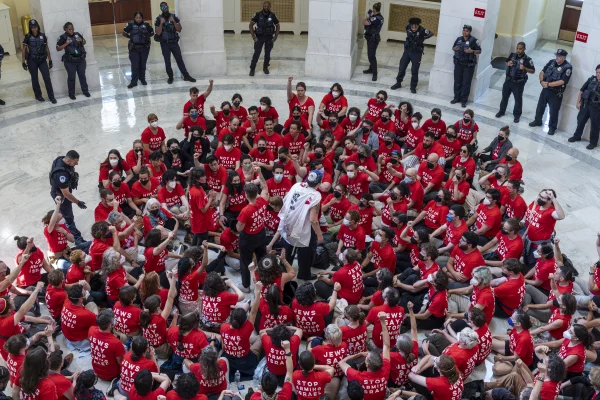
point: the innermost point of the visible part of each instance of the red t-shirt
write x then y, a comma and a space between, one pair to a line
127, 318
106, 169
485, 344
350, 277
381, 128
311, 386
279, 189
198, 218
236, 342
156, 331
435, 215
122, 193
491, 217
522, 345
308, 102
400, 367
348, 126
188, 123
217, 309
453, 233
438, 128
356, 338
57, 242
374, 109
293, 145
252, 216
374, 383
543, 268
76, 321
394, 317
557, 316
466, 132
268, 320
516, 208
310, 319
130, 369
366, 217
578, 350
14, 364
211, 386
193, 342
334, 105
386, 212
284, 394
31, 272
511, 294
236, 201
485, 297
45, 390
540, 222
509, 248
105, 350
551, 389
131, 157
239, 133
466, 263
274, 141
352, 238
153, 141
55, 298
437, 302
228, 158
328, 354
133, 394
463, 187
199, 103
172, 198
154, 263
172, 395
383, 257
264, 157
435, 175
101, 211
464, 359
417, 194
276, 355
423, 152
414, 137
8, 329
450, 148
516, 170
469, 165
140, 192
442, 389
114, 282
337, 210
215, 180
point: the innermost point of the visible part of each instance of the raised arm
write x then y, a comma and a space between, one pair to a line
290, 94
386, 335
254, 310
20, 313
163, 245
171, 296
332, 301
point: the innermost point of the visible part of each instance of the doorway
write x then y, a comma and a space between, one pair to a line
111, 16
570, 20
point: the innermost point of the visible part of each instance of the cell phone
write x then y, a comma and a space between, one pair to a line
241, 387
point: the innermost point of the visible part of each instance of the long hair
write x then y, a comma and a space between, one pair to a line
139, 348
151, 305
184, 267
268, 269
35, 368
447, 368
150, 285
233, 190
186, 324
274, 300
404, 344
111, 262
85, 381
106, 162
209, 363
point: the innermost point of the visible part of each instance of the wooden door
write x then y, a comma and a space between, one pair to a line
570, 20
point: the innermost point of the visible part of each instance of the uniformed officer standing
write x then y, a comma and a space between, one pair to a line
1, 57
34, 53
373, 24
167, 29
519, 65
63, 180
139, 33
74, 58
265, 33
588, 104
413, 51
465, 48
554, 79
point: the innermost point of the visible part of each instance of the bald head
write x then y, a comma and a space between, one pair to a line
514, 153
411, 173
433, 157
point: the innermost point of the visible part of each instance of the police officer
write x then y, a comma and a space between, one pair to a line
1, 57
554, 79
34, 53
63, 180
519, 65
373, 24
465, 48
74, 58
413, 51
167, 32
265, 33
139, 33
588, 104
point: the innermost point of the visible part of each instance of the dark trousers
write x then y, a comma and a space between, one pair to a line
306, 256
516, 88
167, 49
66, 209
198, 238
138, 57
591, 112
249, 246
39, 64
549, 97
463, 75
267, 41
372, 43
79, 69
414, 58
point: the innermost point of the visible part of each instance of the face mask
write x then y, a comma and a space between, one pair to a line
384, 119
351, 174
536, 254
335, 93
296, 117
122, 260
394, 224
337, 194
421, 257
144, 182
362, 156
466, 120
503, 231
332, 124
319, 155
451, 137
246, 166
227, 147
500, 138
173, 184
154, 212
278, 177
394, 161
408, 180
448, 217
361, 205
415, 125
487, 201
113, 162
555, 303
154, 124
116, 184
541, 202
236, 103
497, 175
464, 159
394, 196
567, 335
437, 198
346, 221
262, 149
175, 151
237, 185
378, 238
510, 322
263, 107
430, 277
353, 117
388, 143
508, 158
430, 165
226, 111
435, 118
282, 159
474, 282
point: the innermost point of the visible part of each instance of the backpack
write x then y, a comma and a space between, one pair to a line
321, 260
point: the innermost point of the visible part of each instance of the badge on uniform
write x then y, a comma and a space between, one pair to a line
373, 18
478, 42
568, 72
559, 69
62, 179
467, 43
426, 32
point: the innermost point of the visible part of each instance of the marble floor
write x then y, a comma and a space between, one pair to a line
33, 133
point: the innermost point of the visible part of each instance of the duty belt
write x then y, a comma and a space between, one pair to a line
511, 79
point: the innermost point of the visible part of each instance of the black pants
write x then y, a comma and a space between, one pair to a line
138, 57
249, 246
463, 75
66, 209
173, 47
516, 88
306, 256
267, 41
372, 44
554, 101
198, 238
79, 69
414, 58
591, 112
39, 64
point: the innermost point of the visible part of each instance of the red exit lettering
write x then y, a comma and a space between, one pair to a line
479, 13
581, 37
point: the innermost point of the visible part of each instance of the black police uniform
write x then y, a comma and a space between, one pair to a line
413, 51
139, 48
36, 60
373, 38
266, 25
63, 176
464, 67
552, 95
169, 43
74, 60
589, 109
515, 81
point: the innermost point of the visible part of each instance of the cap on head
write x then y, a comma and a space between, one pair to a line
396, 153
33, 23
314, 178
561, 52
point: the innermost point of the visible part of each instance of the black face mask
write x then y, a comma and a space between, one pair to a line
435, 118
508, 158
450, 136
388, 142
413, 240
296, 118
555, 303
394, 225
430, 165
142, 150
262, 149
318, 155
236, 103
503, 231
154, 212
394, 196
497, 175
361, 155
282, 159
421, 257
333, 124
437, 198
361, 205
394, 161
144, 182
337, 194
33, 249
541, 202
466, 120
384, 119
116, 184
175, 151
226, 112
501, 138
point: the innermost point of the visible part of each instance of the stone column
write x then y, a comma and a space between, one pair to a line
202, 41
482, 15
52, 15
584, 59
332, 38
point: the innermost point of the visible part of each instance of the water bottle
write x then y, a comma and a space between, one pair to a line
237, 379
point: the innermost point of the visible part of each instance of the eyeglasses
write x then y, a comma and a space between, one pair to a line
464, 151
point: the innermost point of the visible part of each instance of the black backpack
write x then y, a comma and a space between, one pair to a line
321, 260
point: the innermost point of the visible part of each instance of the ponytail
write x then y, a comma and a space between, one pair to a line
145, 319
273, 299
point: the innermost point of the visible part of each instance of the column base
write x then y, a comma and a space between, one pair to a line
58, 74
205, 63
442, 81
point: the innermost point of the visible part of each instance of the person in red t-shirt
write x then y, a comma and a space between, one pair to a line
153, 137
431, 175
310, 380
497, 179
509, 245
434, 214
294, 140
334, 101
467, 128
463, 259
106, 205
451, 231
57, 234
435, 124
186, 388
107, 350
145, 188
143, 383
516, 169
217, 301
306, 103
153, 319
330, 352
509, 290
186, 339
127, 314
518, 344
64, 386
296, 115
310, 314
465, 161
270, 381
140, 358
273, 341
37, 386
210, 370
497, 149
450, 144
262, 156
375, 379
137, 157
428, 146
56, 293
447, 386
482, 296
357, 180
394, 317
375, 106
233, 199
514, 206
380, 255
487, 217
30, 272
114, 162
415, 134
349, 277
540, 220
199, 202
351, 234
76, 320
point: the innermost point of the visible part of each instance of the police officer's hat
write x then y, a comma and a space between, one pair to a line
414, 21
32, 23
468, 27
561, 52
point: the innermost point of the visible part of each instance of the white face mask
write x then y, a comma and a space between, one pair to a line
464, 159
378, 238
172, 184
88, 258
536, 254
351, 174
113, 162
346, 221
263, 107
567, 335
430, 278
227, 147
415, 125
278, 177
335, 93
62, 221
154, 124
353, 117
487, 201
474, 282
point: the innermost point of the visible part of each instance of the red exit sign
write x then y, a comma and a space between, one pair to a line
581, 37
479, 12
